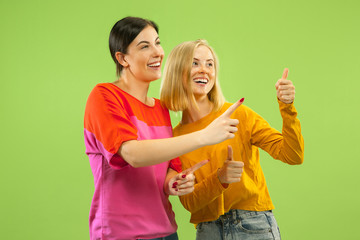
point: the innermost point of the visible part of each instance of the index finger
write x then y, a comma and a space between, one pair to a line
196, 167
232, 108
285, 73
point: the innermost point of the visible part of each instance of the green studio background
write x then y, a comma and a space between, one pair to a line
54, 52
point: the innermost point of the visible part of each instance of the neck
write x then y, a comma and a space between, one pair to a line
135, 87
193, 114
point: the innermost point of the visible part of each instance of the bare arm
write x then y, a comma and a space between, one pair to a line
150, 152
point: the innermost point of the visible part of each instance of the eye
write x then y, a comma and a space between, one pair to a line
144, 46
195, 64
158, 43
210, 64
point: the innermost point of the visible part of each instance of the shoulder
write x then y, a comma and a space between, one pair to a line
100, 86
100, 90
107, 88
106, 95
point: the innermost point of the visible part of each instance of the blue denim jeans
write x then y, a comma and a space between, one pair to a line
173, 236
240, 224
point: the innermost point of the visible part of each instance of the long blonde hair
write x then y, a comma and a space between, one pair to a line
176, 93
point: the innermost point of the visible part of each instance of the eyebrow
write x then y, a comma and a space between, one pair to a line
210, 59
146, 42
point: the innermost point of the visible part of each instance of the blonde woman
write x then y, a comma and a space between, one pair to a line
230, 199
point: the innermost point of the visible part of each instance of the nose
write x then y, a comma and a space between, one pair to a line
158, 51
202, 68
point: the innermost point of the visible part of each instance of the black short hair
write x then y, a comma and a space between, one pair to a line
123, 33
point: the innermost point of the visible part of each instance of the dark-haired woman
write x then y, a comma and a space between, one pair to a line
128, 138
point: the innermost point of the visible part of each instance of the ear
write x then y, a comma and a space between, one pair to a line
120, 57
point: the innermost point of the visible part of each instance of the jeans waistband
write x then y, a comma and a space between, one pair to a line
234, 214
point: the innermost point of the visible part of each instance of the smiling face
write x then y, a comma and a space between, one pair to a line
202, 73
144, 56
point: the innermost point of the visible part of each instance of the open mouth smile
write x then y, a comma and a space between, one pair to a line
201, 80
154, 65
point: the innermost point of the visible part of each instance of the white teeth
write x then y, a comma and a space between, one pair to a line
201, 80
155, 65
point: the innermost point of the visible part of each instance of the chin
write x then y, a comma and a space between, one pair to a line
197, 94
153, 79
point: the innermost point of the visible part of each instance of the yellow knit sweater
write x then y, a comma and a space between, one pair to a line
210, 199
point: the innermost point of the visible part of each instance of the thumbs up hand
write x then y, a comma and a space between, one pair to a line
232, 170
285, 89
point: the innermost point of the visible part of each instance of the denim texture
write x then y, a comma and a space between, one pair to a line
239, 225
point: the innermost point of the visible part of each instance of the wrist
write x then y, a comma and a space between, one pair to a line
225, 185
167, 189
201, 138
169, 175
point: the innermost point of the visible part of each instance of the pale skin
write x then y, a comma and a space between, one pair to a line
142, 65
181, 183
285, 89
231, 170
